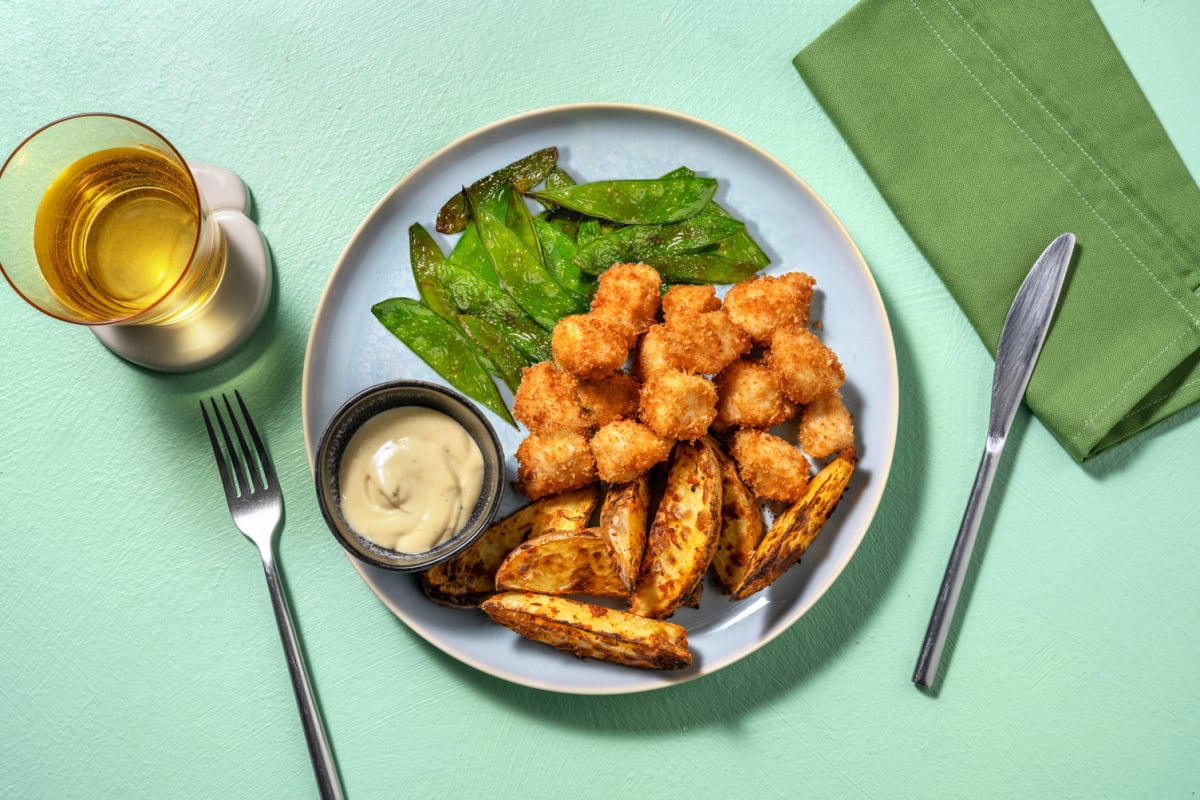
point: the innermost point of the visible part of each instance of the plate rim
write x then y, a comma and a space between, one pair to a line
893, 399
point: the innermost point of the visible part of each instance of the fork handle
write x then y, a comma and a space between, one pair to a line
314, 729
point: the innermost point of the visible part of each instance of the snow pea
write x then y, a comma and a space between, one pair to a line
507, 362
700, 268
640, 242
740, 246
522, 275
635, 202
489, 191
476, 297
440, 345
559, 250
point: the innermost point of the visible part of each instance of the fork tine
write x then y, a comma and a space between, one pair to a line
243, 486
254, 478
264, 458
223, 468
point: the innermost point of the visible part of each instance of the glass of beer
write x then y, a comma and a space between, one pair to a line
105, 224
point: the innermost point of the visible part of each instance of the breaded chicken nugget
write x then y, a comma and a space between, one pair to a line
678, 405
749, 396
552, 463
546, 400
765, 303
771, 467
626, 449
609, 398
590, 346
687, 298
705, 342
826, 426
655, 353
806, 368
628, 294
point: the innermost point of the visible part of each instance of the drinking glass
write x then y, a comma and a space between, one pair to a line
106, 225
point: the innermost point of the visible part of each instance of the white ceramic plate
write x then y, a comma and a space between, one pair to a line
348, 351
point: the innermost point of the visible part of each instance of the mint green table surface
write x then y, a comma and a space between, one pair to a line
138, 653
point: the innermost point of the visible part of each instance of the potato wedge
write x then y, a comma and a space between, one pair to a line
623, 518
569, 511
795, 529
592, 631
683, 537
741, 527
562, 562
469, 578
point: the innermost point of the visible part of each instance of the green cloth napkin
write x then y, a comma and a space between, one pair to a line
992, 127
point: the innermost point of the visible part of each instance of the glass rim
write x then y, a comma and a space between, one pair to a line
195, 196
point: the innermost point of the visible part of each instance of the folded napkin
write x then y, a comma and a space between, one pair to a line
990, 128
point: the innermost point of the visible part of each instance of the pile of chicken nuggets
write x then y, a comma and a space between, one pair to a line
644, 369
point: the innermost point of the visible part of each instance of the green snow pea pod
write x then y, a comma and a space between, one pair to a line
639, 242
492, 342
477, 297
559, 250
519, 220
468, 253
522, 275
440, 345
700, 268
635, 202
589, 230
740, 246
489, 191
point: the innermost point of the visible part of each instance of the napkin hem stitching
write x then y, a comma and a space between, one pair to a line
1107, 225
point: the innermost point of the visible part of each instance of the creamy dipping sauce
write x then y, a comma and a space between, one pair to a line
410, 478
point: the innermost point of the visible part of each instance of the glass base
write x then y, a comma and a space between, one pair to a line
235, 309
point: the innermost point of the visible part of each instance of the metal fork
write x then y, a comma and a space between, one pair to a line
256, 504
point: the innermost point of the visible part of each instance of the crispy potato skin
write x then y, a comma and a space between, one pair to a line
591, 631
770, 466
551, 463
568, 511
764, 303
741, 528
683, 537
749, 396
826, 426
624, 516
562, 562
546, 400
795, 529
469, 578
626, 449
807, 369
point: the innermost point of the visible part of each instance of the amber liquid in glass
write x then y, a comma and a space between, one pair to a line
116, 233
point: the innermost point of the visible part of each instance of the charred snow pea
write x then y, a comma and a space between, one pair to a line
559, 249
443, 347
740, 246
476, 297
640, 242
507, 361
635, 202
701, 268
522, 275
524, 173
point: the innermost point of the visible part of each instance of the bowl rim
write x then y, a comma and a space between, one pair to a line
326, 486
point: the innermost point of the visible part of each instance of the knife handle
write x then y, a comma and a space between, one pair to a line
956, 569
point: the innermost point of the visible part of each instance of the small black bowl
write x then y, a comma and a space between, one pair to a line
366, 404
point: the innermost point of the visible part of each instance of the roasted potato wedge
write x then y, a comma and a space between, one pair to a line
469, 578
741, 527
794, 530
592, 631
623, 518
562, 562
683, 537
569, 511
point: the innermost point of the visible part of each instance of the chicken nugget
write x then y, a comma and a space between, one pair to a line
688, 298
678, 405
826, 426
806, 367
628, 295
609, 398
707, 342
770, 466
656, 352
552, 463
626, 449
546, 400
590, 346
763, 304
749, 396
